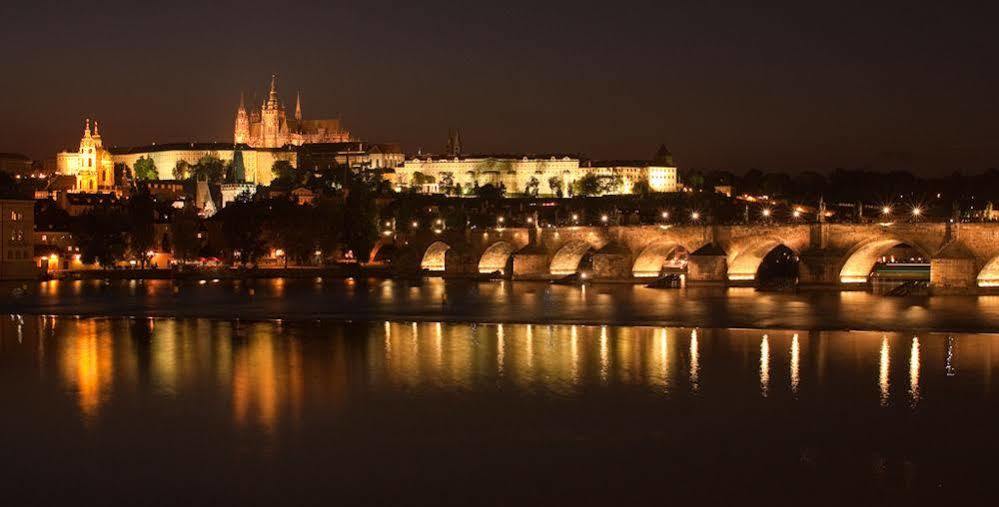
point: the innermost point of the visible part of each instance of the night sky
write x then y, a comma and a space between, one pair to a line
792, 87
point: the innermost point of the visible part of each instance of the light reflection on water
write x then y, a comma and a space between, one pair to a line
765, 366
506, 301
267, 375
295, 384
914, 373
795, 364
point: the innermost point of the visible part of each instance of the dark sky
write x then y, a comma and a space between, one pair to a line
797, 86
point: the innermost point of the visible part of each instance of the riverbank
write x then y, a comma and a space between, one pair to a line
334, 271
437, 300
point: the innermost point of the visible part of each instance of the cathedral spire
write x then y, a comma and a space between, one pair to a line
272, 97
298, 106
97, 132
86, 131
453, 142
242, 103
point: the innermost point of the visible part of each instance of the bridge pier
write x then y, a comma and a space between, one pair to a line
953, 270
531, 263
707, 266
612, 262
819, 269
458, 262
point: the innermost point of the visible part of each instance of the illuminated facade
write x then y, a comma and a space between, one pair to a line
271, 128
257, 162
91, 164
541, 175
429, 174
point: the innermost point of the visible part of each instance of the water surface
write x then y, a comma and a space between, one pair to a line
436, 299
212, 412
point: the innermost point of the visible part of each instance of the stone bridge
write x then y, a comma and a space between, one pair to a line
964, 258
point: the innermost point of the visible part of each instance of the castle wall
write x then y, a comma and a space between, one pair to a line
258, 163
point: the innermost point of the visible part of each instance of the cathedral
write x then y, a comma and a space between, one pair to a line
271, 128
92, 164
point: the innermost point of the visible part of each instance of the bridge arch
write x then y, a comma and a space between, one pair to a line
989, 275
655, 256
383, 251
567, 259
860, 260
496, 257
433, 258
744, 265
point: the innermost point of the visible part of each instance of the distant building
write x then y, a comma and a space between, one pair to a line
15, 163
357, 154
91, 164
204, 201
16, 241
78, 203
57, 250
302, 196
271, 128
661, 178
166, 190
429, 173
56, 187
547, 174
235, 184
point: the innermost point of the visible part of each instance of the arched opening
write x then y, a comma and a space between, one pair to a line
572, 258
659, 258
433, 259
496, 258
887, 262
382, 253
989, 275
778, 270
745, 265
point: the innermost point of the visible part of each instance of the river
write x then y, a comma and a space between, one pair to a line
443, 394
504, 301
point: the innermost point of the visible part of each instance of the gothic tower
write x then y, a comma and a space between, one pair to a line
273, 127
453, 143
242, 131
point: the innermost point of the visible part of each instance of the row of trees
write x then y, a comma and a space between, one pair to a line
242, 232
209, 167
214, 169
113, 231
844, 185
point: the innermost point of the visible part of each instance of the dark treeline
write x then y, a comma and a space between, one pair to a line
341, 218
850, 185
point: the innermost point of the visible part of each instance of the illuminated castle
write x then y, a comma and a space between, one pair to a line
271, 128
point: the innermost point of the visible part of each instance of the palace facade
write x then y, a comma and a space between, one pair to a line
270, 127
543, 175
